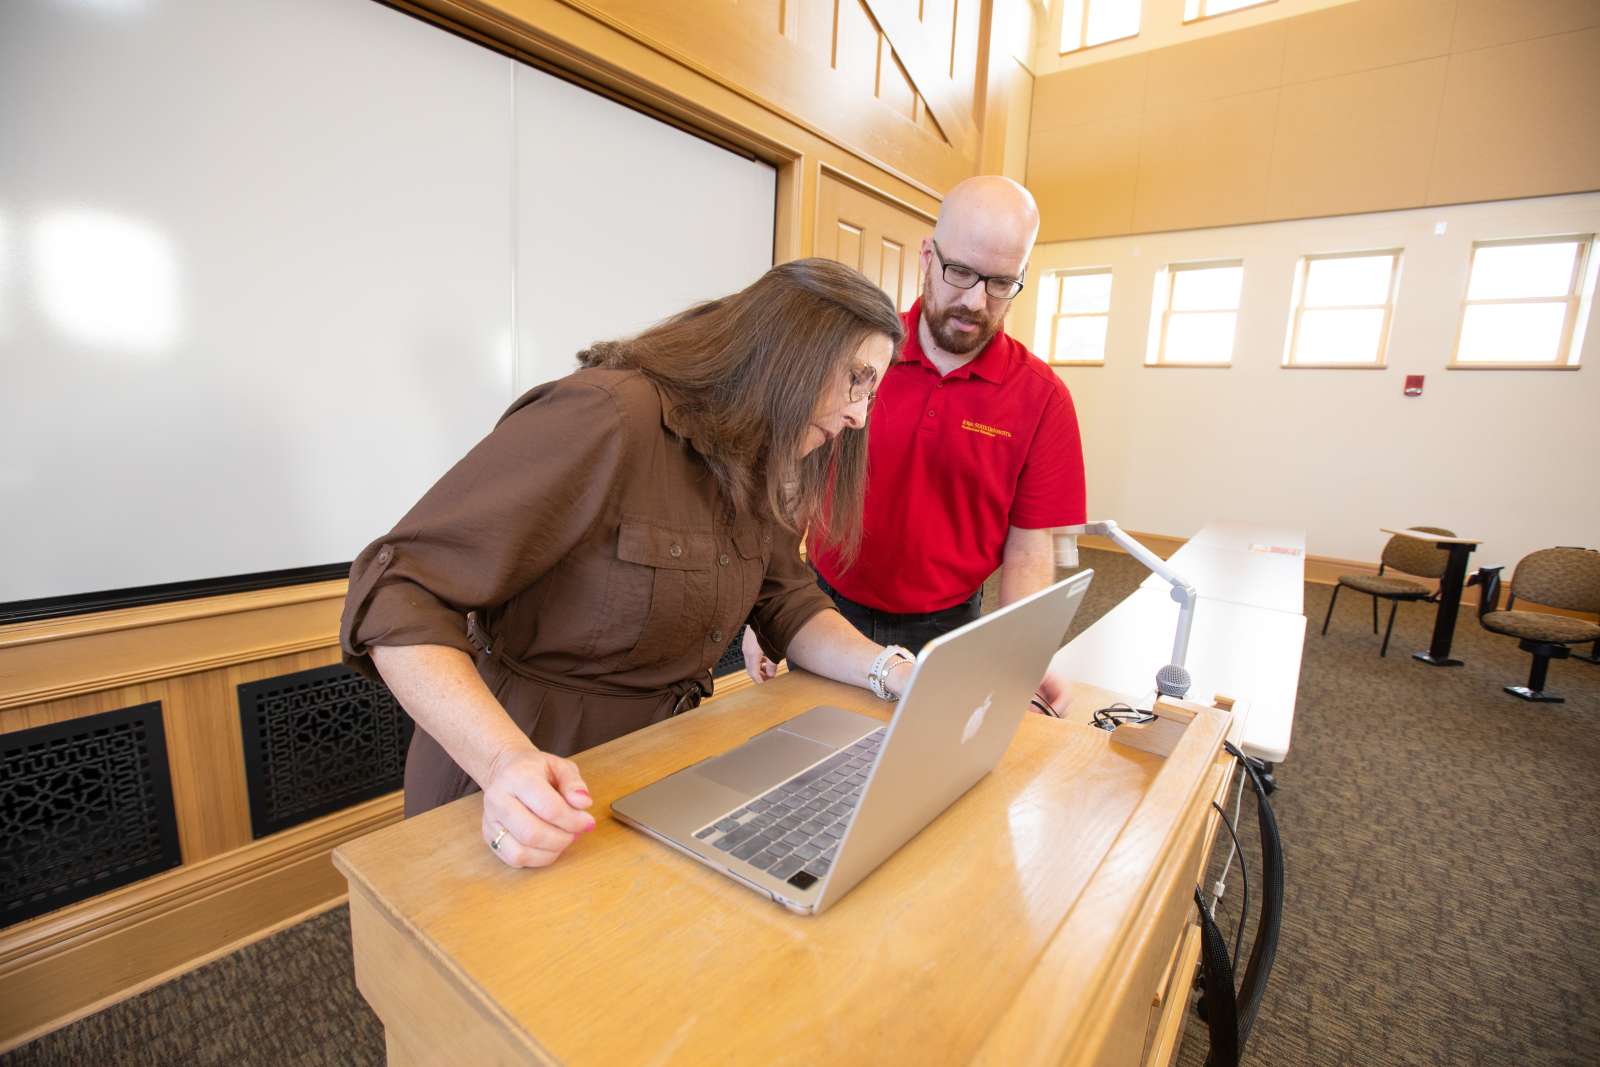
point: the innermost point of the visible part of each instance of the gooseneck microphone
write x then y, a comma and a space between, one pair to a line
1173, 679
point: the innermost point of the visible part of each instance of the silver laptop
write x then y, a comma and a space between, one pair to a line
805, 810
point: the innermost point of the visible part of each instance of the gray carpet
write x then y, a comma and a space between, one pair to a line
1442, 903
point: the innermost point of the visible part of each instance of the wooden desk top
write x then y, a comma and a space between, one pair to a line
1000, 933
1418, 535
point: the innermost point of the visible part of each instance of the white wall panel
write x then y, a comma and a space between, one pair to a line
258, 272
1502, 455
622, 221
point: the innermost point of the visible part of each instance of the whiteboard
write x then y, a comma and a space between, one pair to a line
268, 268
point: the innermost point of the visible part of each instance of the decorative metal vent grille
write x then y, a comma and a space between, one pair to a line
85, 806
317, 741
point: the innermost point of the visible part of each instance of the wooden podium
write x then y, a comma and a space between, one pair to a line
1046, 917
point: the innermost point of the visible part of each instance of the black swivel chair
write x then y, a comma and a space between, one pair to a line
1566, 578
1404, 554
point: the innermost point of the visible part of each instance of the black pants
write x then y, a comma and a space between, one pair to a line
914, 630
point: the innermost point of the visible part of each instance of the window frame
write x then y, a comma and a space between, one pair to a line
1301, 283
1203, 15
1083, 29
1057, 315
1172, 270
1574, 299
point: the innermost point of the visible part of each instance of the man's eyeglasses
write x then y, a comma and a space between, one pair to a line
863, 385
997, 286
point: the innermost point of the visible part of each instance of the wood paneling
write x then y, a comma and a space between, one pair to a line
1362, 142
877, 236
1375, 105
1203, 162
1350, 38
937, 64
190, 656
55, 966
1481, 23
1093, 175
1520, 119
1113, 89
1245, 61
65, 657
776, 54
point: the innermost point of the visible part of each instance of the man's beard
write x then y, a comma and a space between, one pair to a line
948, 338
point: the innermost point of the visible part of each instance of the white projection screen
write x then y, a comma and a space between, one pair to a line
269, 267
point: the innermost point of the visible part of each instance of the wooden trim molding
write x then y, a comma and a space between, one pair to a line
906, 38
32, 633
584, 41
60, 966
59, 658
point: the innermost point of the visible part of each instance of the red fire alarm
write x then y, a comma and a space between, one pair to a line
1413, 385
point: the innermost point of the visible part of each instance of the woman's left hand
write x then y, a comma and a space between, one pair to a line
756, 663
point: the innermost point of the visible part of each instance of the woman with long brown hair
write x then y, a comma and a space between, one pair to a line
578, 573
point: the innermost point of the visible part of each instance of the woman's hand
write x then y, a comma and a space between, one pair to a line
539, 800
756, 663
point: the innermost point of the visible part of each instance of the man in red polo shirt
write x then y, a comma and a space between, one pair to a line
973, 450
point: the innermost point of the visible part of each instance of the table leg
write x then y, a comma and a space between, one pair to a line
1444, 624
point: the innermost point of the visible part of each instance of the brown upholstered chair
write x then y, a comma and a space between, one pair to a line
1566, 578
1408, 556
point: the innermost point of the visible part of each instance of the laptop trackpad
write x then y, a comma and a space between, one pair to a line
764, 761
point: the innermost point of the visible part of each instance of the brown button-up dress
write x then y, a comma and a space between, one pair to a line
583, 555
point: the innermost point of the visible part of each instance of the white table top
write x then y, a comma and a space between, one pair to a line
1256, 575
1249, 653
1247, 534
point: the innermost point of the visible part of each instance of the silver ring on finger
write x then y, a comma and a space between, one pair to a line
494, 846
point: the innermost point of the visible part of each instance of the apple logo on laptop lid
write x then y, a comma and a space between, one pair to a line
975, 720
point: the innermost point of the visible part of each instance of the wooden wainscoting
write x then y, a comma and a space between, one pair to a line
230, 888
878, 236
72, 962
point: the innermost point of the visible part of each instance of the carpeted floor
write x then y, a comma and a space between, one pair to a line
1442, 902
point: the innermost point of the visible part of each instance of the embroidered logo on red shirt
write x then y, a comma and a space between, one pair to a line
984, 428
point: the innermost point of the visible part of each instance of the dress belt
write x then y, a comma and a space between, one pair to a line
688, 693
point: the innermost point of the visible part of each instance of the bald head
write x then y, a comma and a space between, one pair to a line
989, 218
987, 226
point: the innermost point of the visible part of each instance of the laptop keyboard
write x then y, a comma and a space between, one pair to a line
792, 831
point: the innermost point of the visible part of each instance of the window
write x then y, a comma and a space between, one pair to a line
1522, 306
1086, 23
1204, 9
1074, 308
1197, 305
1342, 307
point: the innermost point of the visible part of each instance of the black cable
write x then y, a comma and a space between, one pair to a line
1044, 705
1120, 714
1244, 904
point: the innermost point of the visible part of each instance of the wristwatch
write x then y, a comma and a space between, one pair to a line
878, 676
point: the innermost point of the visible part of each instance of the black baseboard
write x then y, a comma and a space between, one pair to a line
139, 596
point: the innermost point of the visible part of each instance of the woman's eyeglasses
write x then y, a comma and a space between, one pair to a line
863, 385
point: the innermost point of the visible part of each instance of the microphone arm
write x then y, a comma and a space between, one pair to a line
1182, 591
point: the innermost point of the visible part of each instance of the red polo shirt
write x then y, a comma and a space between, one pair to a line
953, 463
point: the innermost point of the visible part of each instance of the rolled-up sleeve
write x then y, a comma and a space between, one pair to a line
497, 521
789, 597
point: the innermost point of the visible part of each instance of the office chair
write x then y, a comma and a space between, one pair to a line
1567, 578
1404, 554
